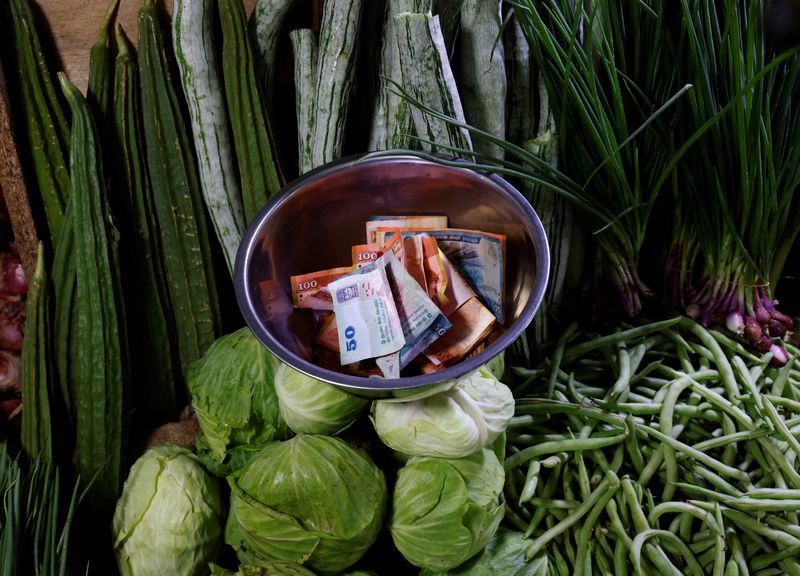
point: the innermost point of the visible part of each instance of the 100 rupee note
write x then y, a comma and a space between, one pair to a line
311, 290
403, 221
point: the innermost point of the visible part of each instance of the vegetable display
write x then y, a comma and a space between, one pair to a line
457, 422
259, 165
313, 500
504, 555
647, 422
36, 490
170, 517
753, 99
154, 353
97, 373
311, 406
686, 463
444, 511
177, 197
43, 119
38, 373
264, 569
201, 78
234, 398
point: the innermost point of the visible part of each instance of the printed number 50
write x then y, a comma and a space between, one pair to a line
350, 333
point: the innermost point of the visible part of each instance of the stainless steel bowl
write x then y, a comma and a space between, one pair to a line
313, 222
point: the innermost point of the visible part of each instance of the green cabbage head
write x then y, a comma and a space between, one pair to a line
497, 365
503, 556
311, 406
444, 511
264, 569
233, 395
169, 518
313, 500
450, 424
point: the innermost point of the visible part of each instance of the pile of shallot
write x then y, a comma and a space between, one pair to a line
13, 288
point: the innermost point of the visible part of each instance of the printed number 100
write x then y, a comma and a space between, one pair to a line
350, 334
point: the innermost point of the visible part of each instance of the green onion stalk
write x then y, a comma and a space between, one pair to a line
38, 502
742, 122
607, 67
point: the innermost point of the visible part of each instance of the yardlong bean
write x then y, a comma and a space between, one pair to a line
701, 434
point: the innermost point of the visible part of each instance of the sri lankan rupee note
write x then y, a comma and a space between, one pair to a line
408, 249
422, 322
403, 221
472, 323
365, 254
478, 256
278, 312
329, 360
327, 335
311, 290
366, 316
445, 285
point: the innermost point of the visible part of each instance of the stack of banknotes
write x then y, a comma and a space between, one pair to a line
417, 297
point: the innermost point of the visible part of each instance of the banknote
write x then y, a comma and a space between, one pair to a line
366, 316
328, 335
435, 272
409, 250
310, 290
422, 322
364, 254
330, 360
477, 349
428, 367
472, 322
445, 286
281, 315
478, 256
403, 221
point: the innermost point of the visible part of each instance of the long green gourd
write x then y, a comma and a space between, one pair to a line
265, 26
428, 78
392, 126
305, 51
178, 200
153, 350
66, 346
99, 367
99, 90
259, 167
193, 37
38, 369
44, 127
338, 36
482, 83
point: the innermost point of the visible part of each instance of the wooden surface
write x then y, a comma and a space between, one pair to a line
12, 184
74, 25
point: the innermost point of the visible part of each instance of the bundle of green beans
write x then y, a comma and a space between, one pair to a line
666, 448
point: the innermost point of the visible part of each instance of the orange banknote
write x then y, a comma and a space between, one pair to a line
310, 290
365, 254
403, 221
472, 323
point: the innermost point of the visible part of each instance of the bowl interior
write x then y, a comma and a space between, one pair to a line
315, 220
